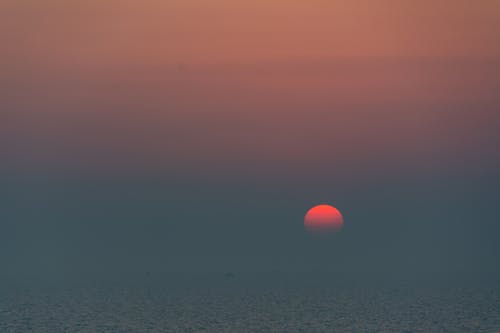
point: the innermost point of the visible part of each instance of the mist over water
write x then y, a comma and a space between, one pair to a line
70, 229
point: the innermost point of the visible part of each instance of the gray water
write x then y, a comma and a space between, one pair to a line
227, 304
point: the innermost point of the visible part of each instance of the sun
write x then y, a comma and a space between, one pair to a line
323, 219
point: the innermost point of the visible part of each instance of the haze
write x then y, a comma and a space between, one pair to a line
173, 136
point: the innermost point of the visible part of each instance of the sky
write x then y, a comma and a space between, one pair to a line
166, 136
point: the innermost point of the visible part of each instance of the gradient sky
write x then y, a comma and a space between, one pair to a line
194, 135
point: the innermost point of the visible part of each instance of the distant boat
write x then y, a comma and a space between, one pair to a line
229, 275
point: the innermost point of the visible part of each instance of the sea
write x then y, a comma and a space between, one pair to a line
239, 302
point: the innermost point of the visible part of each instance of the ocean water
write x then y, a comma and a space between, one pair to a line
237, 306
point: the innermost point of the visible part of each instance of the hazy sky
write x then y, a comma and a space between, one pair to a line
194, 135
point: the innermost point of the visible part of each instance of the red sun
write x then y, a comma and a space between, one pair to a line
323, 219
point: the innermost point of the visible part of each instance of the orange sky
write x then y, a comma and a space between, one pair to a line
110, 32
265, 83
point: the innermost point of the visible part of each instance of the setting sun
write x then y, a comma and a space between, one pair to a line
323, 219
